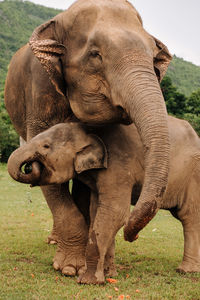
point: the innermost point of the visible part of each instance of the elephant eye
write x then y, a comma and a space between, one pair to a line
46, 146
95, 54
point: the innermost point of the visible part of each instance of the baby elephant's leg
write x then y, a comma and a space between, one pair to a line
109, 263
111, 215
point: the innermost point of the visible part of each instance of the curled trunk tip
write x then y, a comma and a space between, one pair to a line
32, 169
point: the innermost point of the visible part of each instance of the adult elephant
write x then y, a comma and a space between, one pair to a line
103, 67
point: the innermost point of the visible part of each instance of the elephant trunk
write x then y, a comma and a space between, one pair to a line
23, 159
144, 103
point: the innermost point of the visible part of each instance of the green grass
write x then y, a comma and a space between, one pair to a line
26, 272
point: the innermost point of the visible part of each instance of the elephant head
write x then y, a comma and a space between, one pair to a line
100, 57
56, 155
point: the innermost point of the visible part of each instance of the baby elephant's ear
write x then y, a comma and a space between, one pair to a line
92, 156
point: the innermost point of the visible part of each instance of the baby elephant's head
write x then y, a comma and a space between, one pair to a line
56, 155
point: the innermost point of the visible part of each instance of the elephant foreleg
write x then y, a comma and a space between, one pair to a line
109, 263
110, 217
70, 229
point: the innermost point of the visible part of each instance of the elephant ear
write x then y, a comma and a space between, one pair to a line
48, 50
92, 156
162, 59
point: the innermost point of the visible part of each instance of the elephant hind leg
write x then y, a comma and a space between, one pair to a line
189, 215
191, 257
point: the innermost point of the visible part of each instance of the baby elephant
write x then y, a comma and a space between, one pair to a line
115, 175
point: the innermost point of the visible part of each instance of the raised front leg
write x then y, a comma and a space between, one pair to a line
70, 229
112, 212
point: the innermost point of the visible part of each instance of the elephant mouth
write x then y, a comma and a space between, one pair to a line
27, 168
32, 172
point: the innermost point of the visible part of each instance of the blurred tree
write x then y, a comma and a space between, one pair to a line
194, 120
9, 139
175, 101
193, 103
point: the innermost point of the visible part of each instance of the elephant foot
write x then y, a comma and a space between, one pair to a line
70, 262
186, 267
98, 277
90, 277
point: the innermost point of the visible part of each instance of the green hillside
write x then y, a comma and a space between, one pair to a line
19, 18
184, 75
17, 21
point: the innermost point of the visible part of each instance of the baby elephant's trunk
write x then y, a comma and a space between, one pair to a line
22, 167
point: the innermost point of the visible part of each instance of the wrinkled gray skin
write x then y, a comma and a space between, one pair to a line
95, 63
114, 174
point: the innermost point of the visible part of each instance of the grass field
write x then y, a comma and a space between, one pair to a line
146, 268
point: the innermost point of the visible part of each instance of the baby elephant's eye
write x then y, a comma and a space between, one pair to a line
46, 146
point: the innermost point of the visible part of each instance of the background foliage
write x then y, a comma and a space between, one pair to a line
17, 21
181, 87
179, 105
184, 75
9, 139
